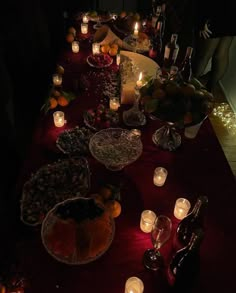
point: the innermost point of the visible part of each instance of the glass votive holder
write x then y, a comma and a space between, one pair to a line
160, 175
135, 133
147, 220
85, 18
57, 79
75, 47
84, 28
134, 285
114, 103
95, 48
59, 118
182, 207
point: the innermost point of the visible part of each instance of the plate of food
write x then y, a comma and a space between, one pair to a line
74, 141
51, 184
99, 60
140, 44
77, 231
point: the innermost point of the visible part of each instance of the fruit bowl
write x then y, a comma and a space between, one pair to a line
99, 60
115, 147
100, 118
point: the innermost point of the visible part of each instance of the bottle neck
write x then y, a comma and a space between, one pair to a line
189, 52
173, 39
199, 206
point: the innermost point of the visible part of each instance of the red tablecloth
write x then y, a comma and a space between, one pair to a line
198, 167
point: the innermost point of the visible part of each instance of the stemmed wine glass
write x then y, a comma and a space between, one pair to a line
160, 233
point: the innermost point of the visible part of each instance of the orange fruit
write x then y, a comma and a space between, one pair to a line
105, 192
114, 46
53, 103
113, 51
113, 207
59, 69
105, 49
98, 198
62, 101
72, 30
70, 37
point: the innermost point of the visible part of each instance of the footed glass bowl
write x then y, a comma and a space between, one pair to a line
115, 147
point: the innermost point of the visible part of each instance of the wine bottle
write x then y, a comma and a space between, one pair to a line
185, 264
186, 66
171, 52
194, 220
155, 51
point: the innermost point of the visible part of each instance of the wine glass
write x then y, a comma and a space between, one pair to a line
160, 233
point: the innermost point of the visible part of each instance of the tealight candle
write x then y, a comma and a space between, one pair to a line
84, 28
139, 82
114, 103
59, 118
160, 175
57, 79
147, 220
118, 59
95, 48
75, 46
182, 206
85, 19
136, 30
134, 285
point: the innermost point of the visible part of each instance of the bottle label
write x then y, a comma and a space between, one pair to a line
167, 53
175, 54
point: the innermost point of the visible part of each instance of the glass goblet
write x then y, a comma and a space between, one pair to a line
160, 233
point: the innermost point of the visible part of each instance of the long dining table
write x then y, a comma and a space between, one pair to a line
197, 167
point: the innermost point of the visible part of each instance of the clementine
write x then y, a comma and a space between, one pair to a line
62, 101
105, 192
113, 207
70, 37
115, 46
53, 103
105, 49
113, 51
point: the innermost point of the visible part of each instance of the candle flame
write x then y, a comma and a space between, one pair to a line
136, 26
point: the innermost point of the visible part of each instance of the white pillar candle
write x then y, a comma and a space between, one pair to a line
136, 30
159, 176
85, 19
75, 46
134, 285
57, 79
114, 103
118, 59
182, 207
95, 48
59, 118
84, 28
147, 220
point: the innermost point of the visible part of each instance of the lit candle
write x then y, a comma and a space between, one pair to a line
135, 133
95, 48
59, 118
84, 28
147, 220
118, 59
134, 285
75, 46
182, 206
114, 103
160, 175
139, 82
85, 19
57, 79
136, 30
